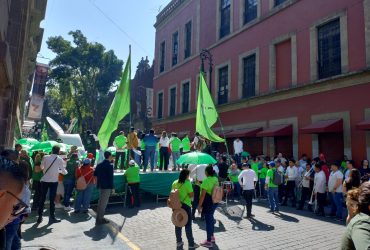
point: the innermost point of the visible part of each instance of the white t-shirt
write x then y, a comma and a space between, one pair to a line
238, 147
58, 166
334, 176
249, 177
198, 172
164, 142
319, 182
292, 173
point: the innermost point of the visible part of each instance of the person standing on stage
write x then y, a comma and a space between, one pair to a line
164, 157
175, 144
104, 174
120, 144
238, 149
185, 144
132, 144
247, 180
151, 142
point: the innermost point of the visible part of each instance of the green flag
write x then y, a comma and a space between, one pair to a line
119, 109
206, 112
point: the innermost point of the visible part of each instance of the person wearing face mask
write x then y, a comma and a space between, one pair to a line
12, 181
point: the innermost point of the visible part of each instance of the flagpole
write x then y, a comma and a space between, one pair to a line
129, 129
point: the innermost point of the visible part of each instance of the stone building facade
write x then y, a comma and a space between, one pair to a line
20, 41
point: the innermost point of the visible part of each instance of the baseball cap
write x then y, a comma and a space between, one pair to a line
131, 162
272, 163
86, 161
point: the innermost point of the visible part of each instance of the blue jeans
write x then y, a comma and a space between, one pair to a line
149, 156
210, 222
262, 185
68, 189
13, 242
273, 193
336, 200
83, 198
236, 190
175, 157
188, 230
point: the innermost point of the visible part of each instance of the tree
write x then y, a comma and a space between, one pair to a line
81, 78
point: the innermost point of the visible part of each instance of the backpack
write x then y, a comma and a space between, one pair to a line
217, 194
174, 199
278, 178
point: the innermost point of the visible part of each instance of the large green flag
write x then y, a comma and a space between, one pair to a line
206, 112
119, 109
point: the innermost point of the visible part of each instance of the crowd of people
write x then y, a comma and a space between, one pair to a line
304, 183
56, 174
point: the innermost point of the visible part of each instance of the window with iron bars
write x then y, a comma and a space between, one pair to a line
249, 76
172, 102
225, 8
223, 85
185, 97
160, 106
175, 48
187, 52
250, 10
162, 56
329, 50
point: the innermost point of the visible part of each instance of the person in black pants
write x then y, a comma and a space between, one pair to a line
247, 179
163, 151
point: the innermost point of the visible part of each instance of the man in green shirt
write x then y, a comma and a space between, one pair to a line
132, 175
272, 189
175, 144
262, 179
120, 142
185, 144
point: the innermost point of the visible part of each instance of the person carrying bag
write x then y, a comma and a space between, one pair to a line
84, 186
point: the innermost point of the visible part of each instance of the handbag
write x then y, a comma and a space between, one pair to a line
81, 182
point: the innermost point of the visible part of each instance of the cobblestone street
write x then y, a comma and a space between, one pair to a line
151, 228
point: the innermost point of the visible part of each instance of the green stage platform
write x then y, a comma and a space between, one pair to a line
156, 183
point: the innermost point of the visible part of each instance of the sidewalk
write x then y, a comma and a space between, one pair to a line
75, 231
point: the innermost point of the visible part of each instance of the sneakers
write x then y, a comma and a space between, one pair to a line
213, 239
195, 245
53, 220
58, 205
179, 244
67, 209
206, 244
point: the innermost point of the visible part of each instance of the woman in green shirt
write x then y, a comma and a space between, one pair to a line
185, 194
262, 178
206, 205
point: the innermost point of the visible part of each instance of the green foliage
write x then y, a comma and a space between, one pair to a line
82, 75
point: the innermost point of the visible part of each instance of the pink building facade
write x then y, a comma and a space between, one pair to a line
288, 76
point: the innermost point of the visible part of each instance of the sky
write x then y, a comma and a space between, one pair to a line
114, 23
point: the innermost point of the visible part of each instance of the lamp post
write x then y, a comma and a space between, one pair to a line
206, 55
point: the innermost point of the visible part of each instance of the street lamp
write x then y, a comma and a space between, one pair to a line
206, 55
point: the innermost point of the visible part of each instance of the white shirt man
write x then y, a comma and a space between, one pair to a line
292, 173
335, 181
247, 178
51, 175
238, 146
319, 185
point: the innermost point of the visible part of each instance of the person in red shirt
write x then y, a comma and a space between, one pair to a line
84, 196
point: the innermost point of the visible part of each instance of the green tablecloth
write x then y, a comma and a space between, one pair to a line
157, 183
